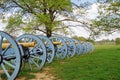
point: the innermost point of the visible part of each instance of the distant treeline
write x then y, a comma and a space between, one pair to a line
109, 42
105, 42
101, 42
82, 39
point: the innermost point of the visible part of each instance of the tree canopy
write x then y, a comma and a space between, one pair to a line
31, 15
108, 20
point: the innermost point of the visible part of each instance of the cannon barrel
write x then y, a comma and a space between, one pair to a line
26, 44
76, 43
57, 43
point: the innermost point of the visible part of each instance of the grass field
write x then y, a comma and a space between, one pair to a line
102, 64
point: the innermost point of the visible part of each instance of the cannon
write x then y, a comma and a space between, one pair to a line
70, 46
10, 57
60, 45
73, 46
79, 48
49, 48
87, 47
26, 48
84, 46
90, 47
34, 55
50, 51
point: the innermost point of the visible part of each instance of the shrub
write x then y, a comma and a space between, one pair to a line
117, 41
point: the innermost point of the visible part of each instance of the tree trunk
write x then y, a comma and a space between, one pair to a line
49, 32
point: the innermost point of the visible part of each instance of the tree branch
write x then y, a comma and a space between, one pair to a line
36, 28
18, 4
72, 21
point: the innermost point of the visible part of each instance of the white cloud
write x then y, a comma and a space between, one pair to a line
93, 11
2, 26
80, 31
110, 36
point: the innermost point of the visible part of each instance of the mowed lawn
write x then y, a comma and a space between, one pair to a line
102, 64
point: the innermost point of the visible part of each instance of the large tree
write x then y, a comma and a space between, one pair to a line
41, 15
47, 16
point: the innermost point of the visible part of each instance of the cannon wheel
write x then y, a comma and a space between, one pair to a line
60, 50
84, 47
10, 57
87, 47
49, 47
91, 47
79, 48
71, 46
35, 56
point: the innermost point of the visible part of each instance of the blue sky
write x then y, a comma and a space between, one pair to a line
82, 1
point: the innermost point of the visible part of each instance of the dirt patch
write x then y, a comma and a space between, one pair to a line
1, 71
22, 78
44, 75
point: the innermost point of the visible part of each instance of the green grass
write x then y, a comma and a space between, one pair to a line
103, 64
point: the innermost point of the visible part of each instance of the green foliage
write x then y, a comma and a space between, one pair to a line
117, 41
42, 14
108, 20
14, 23
90, 40
79, 38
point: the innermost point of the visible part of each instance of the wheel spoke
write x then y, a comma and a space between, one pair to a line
35, 63
30, 40
41, 58
34, 48
25, 39
30, 64
1, 40
6, 72
36, 57
47, 43
9, 56
9, 64
49, 57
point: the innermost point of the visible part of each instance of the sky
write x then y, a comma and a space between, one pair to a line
92, 13
82, 1
2, 26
